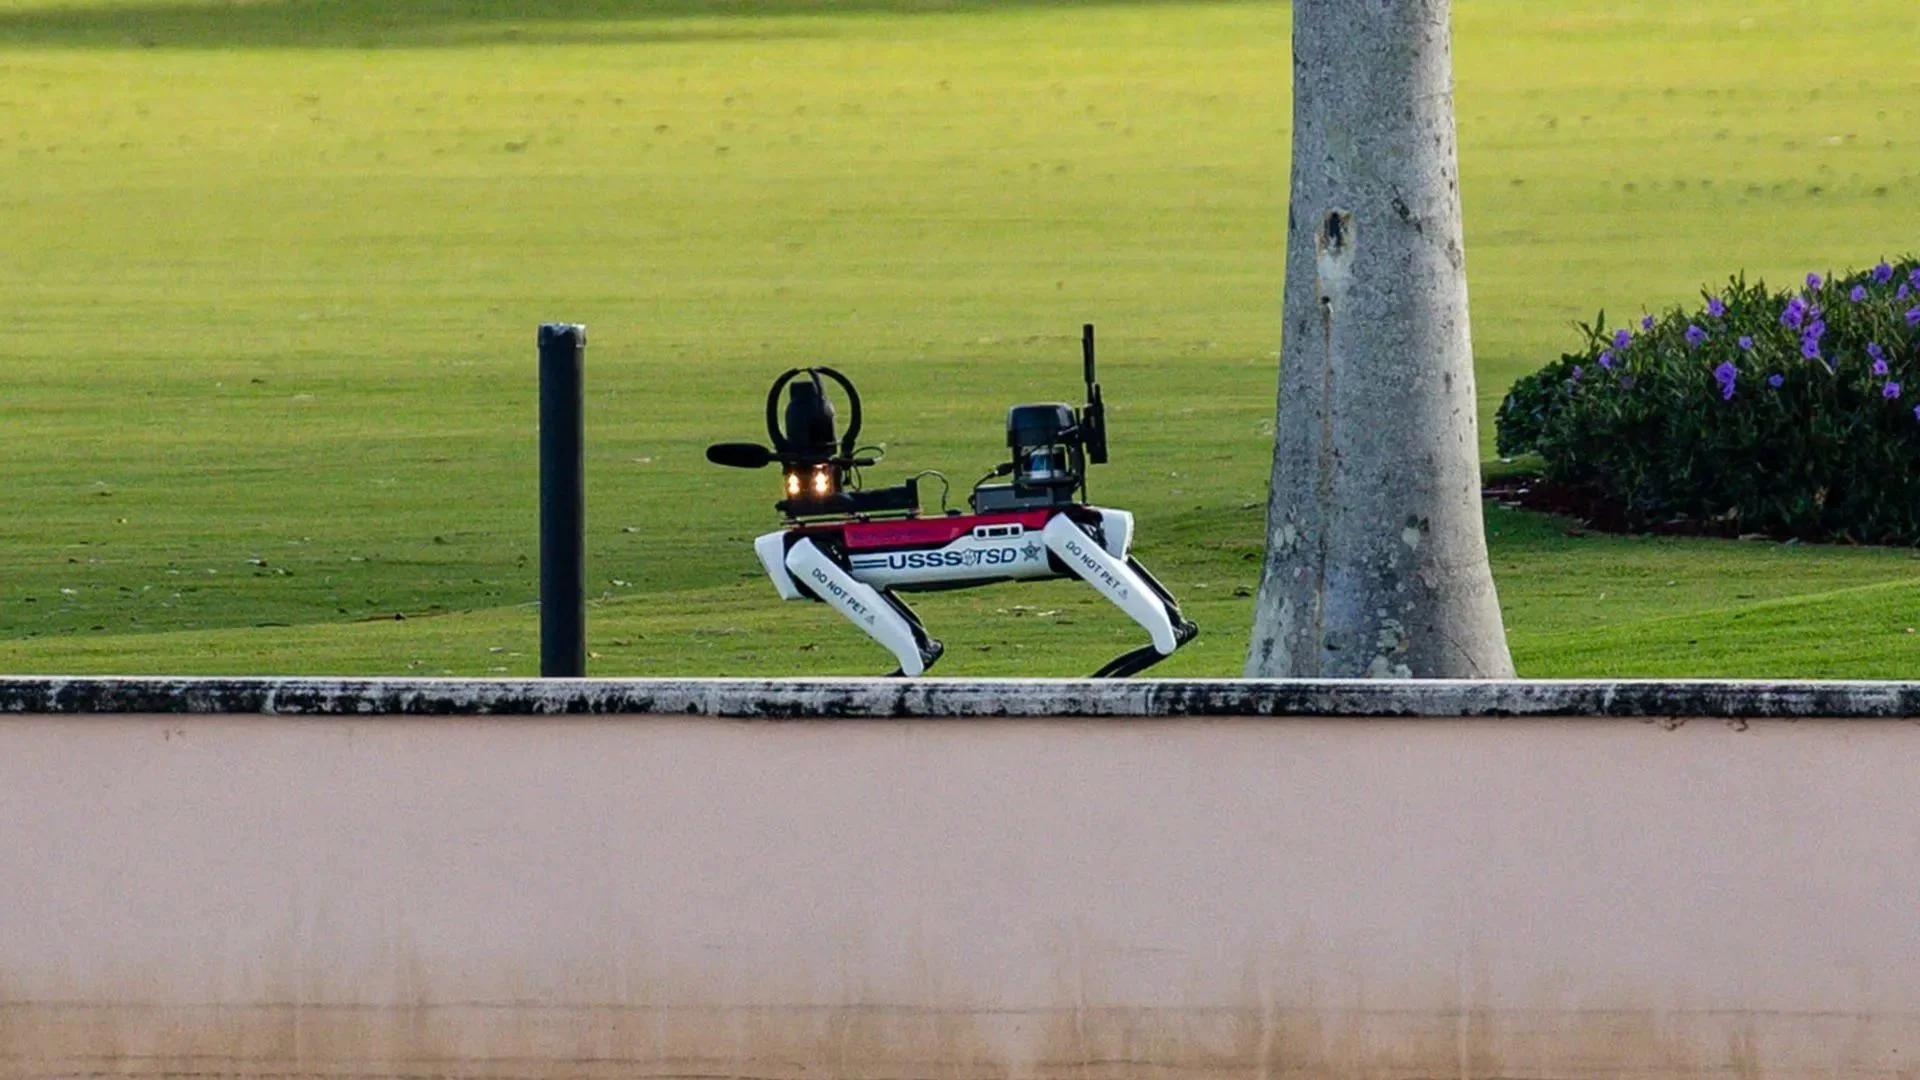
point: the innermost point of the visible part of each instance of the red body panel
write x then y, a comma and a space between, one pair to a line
923, 532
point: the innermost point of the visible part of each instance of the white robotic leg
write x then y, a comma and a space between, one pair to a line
1114, 580
859, 602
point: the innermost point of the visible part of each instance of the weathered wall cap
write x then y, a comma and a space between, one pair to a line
792, 699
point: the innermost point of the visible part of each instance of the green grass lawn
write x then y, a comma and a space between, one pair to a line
272, 272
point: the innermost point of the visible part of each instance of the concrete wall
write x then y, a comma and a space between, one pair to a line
656, 896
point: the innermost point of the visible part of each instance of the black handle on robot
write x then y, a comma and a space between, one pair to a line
847, 442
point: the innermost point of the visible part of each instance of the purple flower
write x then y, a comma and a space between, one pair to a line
1882, 274
1622, 338
1913, 277
1746, 343
1695, 336
1813, 281
1874, 350
1858, 294
1916, 412
1905, 291
1626, 382
1818, 327
1716, 307
1890, 391
1606, 359
1879, 367
1577, 372
1810, 348
1725, 375
1776, 380
1913, 316
1795, 314
1645, 324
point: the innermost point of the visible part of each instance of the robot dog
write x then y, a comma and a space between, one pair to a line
856, 550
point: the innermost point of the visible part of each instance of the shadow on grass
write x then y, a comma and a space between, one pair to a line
360, 24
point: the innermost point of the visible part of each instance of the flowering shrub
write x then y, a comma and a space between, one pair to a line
1785, 413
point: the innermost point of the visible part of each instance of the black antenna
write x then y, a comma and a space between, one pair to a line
1093, 419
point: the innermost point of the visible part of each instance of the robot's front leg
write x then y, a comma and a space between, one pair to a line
930, 647
1128, 585
880, 615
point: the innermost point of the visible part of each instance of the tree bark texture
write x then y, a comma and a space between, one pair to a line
1376, 558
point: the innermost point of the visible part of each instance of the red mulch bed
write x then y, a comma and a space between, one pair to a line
1596, 514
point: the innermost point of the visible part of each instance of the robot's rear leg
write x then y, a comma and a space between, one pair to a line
1131, 588
1184, 629
1144, 657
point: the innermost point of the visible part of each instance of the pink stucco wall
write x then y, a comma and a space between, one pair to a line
654, 897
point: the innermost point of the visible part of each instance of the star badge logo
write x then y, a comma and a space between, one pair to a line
1031, 552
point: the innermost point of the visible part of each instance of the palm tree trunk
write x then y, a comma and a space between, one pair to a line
1376, 558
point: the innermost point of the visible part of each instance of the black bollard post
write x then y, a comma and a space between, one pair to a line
563, 501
